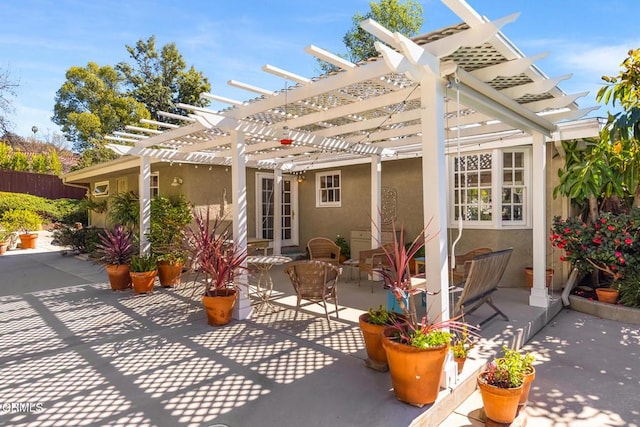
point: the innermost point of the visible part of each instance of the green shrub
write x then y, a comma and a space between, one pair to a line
82, 240
21, 220
66, 211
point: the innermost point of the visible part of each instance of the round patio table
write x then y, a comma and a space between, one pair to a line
264, 287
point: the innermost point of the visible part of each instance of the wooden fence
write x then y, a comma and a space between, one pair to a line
38, 184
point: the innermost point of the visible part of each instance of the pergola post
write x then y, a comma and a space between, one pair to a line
277, 211
144, 184
242, 309
434, 196
376, 203
539, 296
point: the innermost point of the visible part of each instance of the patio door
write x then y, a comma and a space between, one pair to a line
264, 212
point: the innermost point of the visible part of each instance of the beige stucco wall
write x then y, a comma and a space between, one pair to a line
205, 187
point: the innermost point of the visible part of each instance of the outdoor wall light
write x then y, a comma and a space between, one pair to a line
177, 181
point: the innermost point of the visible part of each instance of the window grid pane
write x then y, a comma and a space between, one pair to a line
513, 186
329, 190
472, 186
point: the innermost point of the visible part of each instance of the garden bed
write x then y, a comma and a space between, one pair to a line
588, 304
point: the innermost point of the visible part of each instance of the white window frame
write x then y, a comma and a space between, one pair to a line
328, 204
154, 188
101, 193
497, 172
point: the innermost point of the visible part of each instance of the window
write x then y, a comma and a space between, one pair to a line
479, 178
121, 185
328, 192
154, 185
101, 189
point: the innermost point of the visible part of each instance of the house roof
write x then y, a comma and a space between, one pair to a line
370, 108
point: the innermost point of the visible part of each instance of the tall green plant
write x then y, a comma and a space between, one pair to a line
169, 218
124, 208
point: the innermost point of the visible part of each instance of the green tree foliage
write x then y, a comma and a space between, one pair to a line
19, 161
159, 80
91, 104
403, 17
54, 165
603, 175
39, 163
6, 153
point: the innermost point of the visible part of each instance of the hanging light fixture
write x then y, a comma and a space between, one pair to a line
286, 139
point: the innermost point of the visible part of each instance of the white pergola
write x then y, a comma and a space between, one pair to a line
465, 84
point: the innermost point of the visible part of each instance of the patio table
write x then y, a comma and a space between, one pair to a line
264, 287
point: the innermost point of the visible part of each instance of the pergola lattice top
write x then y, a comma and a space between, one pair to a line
371, 108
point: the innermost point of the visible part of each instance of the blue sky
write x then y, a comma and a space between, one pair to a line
231, 40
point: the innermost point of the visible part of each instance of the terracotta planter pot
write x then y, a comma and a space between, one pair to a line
372, 335
28, 241
219, 308
607, 295
500, 404
415, 372
119, 276
169, 274
143, 282
3, 247
528, 271
526, 386
460, 361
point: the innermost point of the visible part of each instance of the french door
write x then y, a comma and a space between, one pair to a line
264, 213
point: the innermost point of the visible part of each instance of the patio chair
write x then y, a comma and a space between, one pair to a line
463, 262
484, 274
371, 260
316, 282
323, 249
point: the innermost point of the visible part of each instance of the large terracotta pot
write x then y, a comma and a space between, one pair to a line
526, 386
415, 372
3, 247
143, 282
220, 307
500, 404
169, 274
28, 241
119, 276
528, 271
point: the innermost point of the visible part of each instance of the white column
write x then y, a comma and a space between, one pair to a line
277, 212
242, 309
539, 296
376, 201
434, 196
144, 185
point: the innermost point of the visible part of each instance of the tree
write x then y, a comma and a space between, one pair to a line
7, 89
161, 80
405, 18
91, 104
604, 175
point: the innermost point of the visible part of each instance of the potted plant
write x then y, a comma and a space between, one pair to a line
416, 350
4, 241
169, 218
114, 251
24, 222
219, 259
501, 385
143, 273
372, 323
345, 253
461, 345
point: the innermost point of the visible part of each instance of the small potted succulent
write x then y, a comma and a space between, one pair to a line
461, 345
345, 253
114, 251
502, 384
143, 272
4, 241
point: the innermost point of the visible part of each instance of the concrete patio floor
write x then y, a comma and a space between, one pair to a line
76, 353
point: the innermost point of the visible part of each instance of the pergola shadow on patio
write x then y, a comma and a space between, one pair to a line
86, 354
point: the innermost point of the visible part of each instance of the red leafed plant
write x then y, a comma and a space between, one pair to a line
214, 253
